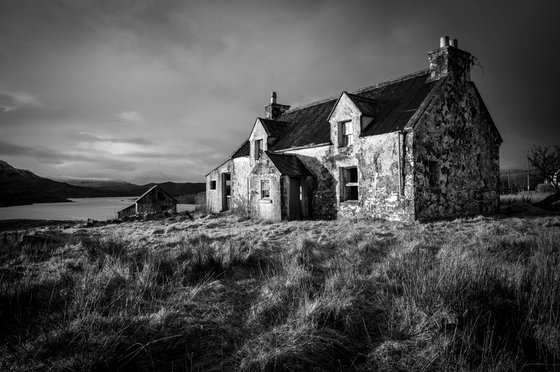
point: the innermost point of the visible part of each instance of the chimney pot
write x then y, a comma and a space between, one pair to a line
443, 41
454, 43
273, 97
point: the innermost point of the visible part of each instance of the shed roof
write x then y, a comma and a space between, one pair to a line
152, 189
288, 165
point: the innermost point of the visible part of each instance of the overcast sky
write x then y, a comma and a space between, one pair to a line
146, 90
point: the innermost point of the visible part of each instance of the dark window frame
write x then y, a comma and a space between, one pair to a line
350, 185
213, 185
433, 173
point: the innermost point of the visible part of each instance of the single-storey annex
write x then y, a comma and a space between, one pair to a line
154, 200
422, 146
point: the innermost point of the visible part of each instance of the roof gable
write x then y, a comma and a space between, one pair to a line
344, 106
156, 187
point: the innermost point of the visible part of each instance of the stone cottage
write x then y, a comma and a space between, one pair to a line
422, 146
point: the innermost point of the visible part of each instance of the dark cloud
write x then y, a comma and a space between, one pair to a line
41, 154
181, 82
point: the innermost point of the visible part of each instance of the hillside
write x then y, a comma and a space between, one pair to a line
232, 294
19, 186
122, 188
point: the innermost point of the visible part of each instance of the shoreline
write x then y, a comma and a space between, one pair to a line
24, 224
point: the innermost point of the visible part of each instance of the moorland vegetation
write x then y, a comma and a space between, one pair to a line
223, 292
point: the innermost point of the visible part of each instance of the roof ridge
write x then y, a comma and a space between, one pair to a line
273, 120
352, 95
359, 90
391, 81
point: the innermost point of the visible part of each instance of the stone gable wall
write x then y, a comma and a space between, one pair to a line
457, 135
270, 208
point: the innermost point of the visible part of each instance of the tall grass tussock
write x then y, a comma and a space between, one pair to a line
222, 293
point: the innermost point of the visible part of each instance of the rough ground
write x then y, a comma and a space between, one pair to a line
229, 293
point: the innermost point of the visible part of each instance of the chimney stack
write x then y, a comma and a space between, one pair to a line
449, 60
274, 109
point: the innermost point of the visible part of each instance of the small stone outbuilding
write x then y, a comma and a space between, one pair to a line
422, 146
154, 200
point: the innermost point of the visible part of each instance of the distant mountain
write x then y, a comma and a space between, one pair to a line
108, 186
122, 188
177, 189
91, 182
19, 186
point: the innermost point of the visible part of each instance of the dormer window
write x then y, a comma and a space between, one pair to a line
258, 149
345, 134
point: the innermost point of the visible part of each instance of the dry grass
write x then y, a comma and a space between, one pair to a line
228, 293
524, 197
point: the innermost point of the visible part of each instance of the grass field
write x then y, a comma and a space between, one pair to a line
222, 293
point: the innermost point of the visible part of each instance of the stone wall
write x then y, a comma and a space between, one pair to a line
379, 174
384, 163
456, 138
265, 208
214, 197
323, 186
240, 185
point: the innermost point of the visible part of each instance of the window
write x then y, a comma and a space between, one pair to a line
265, 189
433, 173
349, 184
212, 185
345, 134
258, 149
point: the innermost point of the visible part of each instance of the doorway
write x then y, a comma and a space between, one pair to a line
226, 191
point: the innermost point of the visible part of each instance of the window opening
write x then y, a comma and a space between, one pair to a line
258, 149
265, 189
433, 173
349, 182
345, 134
212, 185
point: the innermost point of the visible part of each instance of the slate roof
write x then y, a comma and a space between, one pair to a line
274, 128
367, 106
391, 104
288, 165
243, 150
394, 101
